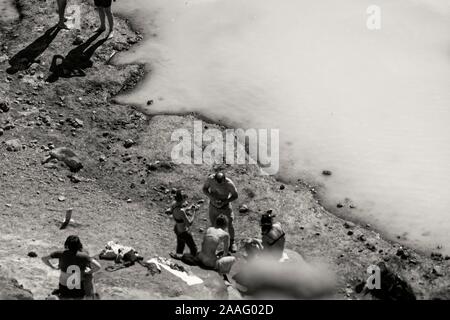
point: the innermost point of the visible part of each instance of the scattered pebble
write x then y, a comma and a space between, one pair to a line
326, 172
32, 254
61, 198
129, 143
243, 209
349, 225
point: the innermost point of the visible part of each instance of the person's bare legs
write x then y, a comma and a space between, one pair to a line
101, 14
110, 22
61, 11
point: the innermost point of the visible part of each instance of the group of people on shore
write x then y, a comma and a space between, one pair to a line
215, 252
104, 12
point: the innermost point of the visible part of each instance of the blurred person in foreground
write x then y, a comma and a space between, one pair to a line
74, 262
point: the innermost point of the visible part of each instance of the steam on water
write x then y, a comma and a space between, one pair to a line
372, 106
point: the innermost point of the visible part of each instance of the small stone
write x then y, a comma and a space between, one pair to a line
201, 230
13, 145
129, 200
200, 201
149, 102
282, 187
1, 132
340, 205
350, 232
4, 106
32, 254
349, 225
362, 238
8, 205
74, 178
128, 143
61, 198
78, 40
437, 271
437, 256
326, 172
77, 123
243, 209
102, 158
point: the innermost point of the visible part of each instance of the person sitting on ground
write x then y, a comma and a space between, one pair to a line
213, 238
273, 236
104, 9
71, 260
221, 191
182, 224
272, 242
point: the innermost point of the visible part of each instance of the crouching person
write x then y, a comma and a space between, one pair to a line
77, 269
272, 242
208, 255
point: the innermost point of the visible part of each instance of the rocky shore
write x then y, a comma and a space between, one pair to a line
115, 171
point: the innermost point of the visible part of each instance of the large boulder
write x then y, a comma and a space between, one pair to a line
67, 156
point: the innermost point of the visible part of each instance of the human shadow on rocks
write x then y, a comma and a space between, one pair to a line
26, 57
76, 61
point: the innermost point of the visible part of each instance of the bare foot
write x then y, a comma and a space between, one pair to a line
176, 256
110, 35
63, 26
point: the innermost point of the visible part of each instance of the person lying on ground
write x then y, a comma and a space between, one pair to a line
104, 9
221, 191
181, 229
215, 236
77, 268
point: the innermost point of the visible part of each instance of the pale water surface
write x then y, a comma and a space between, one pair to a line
372, 106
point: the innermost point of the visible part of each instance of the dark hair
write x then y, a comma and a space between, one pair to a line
267, 218
73, 244
219, 176
179, 196
221, 221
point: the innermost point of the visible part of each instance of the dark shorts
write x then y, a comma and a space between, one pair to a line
103, 3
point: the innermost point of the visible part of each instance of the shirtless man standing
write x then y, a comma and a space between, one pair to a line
221, 191
213, 238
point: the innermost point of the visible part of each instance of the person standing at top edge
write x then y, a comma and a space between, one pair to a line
104, 9
61, 11
221, 191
